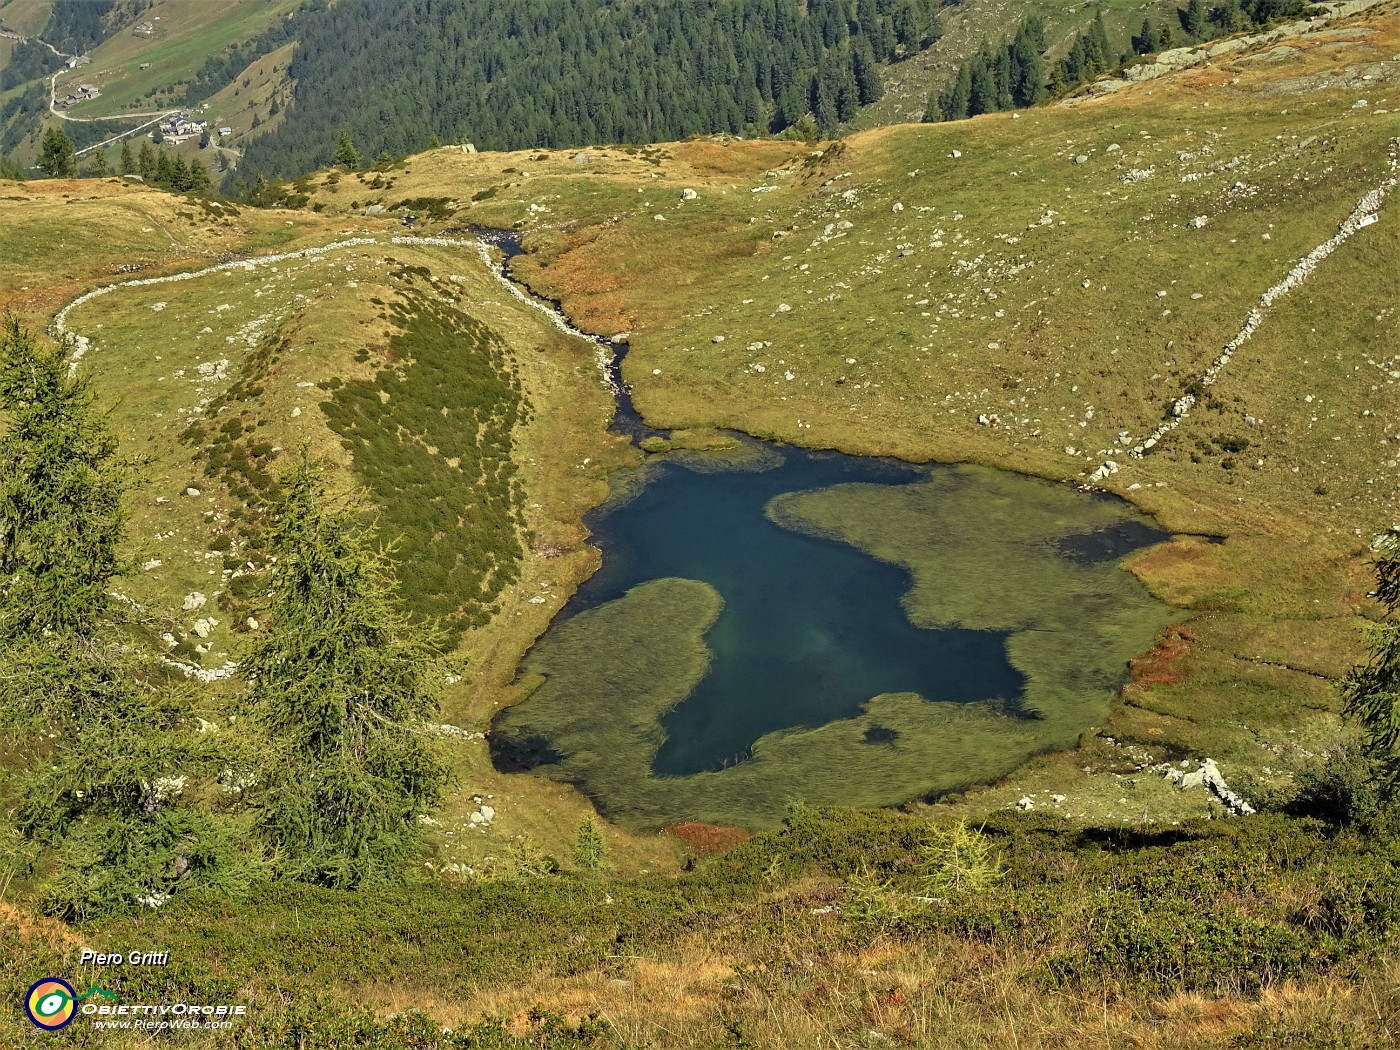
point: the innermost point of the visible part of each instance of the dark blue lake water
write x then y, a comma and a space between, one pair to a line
811, 628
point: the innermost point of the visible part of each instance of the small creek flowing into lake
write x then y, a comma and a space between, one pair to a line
772, 622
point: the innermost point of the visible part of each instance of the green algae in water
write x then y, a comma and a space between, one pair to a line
983, 550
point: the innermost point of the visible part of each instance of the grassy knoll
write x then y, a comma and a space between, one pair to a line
441, 424
210, 382
61, 238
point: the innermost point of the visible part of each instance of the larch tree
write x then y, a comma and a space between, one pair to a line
61, 517
112, 747
341, 684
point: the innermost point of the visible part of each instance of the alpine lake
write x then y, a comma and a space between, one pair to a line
772, 623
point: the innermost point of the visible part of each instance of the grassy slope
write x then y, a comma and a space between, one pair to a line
236, 105
186, 34
968, 301
814, 935
967, 25
25, 16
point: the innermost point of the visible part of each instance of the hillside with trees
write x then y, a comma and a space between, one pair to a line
561, 74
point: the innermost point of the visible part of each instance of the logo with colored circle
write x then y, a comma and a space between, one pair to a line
51, 1003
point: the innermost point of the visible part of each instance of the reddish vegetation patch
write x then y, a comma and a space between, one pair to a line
1158, 666
708, 838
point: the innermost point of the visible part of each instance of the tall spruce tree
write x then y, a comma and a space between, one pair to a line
1027, 65
867, 73
199, 181
346, 155
98, 166
56, 155
956, 101
340, 684
1194, 20
1146, 42
146, 160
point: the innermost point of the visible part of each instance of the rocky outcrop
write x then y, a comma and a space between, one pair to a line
1207, 776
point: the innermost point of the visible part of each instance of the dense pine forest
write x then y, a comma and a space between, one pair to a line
75, 27
1017, 75
560, 73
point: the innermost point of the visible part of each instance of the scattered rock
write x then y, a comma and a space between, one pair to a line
193, 600
689, 194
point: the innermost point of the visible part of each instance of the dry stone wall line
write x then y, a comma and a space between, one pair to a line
1366, 212
603, 353
59, 329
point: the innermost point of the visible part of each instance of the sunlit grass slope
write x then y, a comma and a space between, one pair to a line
1035, 291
